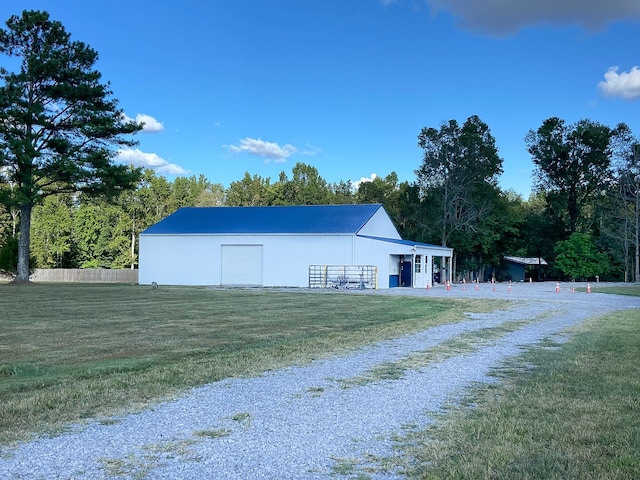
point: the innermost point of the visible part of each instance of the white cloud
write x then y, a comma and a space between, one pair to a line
266, 150
500, 17
624, 85
153, 161
356, 184
149, 124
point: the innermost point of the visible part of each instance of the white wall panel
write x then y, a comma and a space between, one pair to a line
380, 225
287, 258
197, 259
375, 252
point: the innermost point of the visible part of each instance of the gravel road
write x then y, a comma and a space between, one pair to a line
309, 422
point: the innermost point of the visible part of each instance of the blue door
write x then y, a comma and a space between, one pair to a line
405, 273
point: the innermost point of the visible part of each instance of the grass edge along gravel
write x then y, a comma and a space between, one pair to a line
465, 342
629, 290
560, 411
75, 352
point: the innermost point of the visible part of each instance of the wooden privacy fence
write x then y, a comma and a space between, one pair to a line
80, 275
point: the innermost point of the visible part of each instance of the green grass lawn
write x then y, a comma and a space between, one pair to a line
631, 290
568, 412
73, 352
70, 352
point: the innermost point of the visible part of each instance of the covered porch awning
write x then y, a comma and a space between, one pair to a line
422, 255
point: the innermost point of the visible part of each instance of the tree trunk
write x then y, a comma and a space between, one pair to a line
14, 221
453, 264
133, 249
637, 272
24, 244
573, 209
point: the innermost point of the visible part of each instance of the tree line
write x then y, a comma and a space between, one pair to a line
455, 200
65, 203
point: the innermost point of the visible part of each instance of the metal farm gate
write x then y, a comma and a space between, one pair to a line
343, 276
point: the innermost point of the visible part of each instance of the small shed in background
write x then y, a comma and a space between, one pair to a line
515, 267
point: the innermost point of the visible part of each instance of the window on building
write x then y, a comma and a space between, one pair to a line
418, 263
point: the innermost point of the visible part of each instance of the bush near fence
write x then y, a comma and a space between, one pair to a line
82, 275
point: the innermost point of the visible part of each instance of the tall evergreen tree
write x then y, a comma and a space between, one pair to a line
59, 125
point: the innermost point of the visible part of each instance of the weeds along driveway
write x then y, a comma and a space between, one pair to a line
336, 417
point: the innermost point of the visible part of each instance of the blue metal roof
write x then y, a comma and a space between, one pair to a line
318, 219
409, 243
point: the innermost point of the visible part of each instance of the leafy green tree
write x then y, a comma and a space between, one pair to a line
133, 219
306, 187
9, 255
154, 195
573, 164
498, 233
185, 191
458, 181
5, 225
380, 190
411, 213
457, 162
59, 125
94, 225
212, 196
9, 216
123, 245
620, 227
341, 193
400, 200
578, 258
541, 230
52, 235
250, 191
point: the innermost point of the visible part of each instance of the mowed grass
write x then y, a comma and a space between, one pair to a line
567, 412
630, 290
69, 352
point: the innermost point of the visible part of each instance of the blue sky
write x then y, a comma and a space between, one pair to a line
233, 86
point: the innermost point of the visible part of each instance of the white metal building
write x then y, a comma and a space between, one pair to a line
280, 246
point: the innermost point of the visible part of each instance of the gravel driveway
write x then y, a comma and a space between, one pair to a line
308, 422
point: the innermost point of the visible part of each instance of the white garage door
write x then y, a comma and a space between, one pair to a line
241, 265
